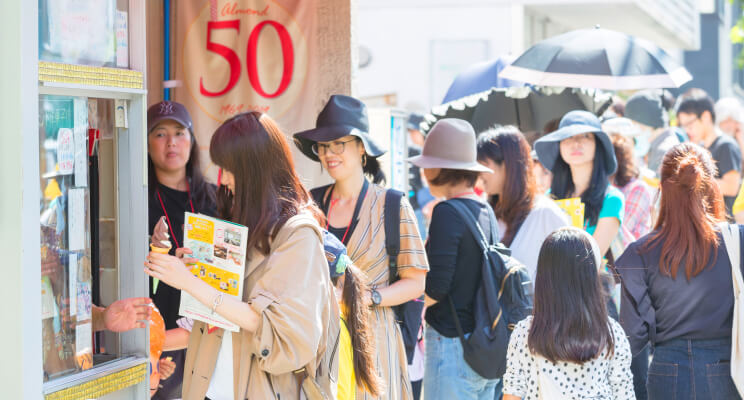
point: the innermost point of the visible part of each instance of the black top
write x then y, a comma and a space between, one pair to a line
667, 308
415, 184
455, 261
167, 299
727, 156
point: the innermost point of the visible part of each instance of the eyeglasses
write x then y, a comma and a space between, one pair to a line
320, 149
688, 124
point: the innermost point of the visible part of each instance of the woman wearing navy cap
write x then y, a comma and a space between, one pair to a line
175, 186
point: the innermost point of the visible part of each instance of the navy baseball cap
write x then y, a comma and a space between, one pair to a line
168, 110
335, 253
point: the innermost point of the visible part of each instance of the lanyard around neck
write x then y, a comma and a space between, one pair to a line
173, 234
354, 218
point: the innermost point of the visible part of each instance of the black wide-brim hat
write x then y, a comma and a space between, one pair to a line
342, 116
572, 124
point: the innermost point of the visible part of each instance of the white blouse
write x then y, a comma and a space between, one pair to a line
600, 378
544, 218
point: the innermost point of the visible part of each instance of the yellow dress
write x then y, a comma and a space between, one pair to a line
346, 376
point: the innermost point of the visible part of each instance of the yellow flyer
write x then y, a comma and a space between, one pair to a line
575, 209
219, 246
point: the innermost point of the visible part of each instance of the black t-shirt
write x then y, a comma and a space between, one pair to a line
167, 299
414, 178
455, 262
727, 156
699, 308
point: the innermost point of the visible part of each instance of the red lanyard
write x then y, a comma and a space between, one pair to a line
328, 224
173, 234
465, 194
360, 200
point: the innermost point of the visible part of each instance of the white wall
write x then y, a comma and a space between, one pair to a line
400, 34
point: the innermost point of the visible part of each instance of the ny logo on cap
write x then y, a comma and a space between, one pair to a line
166, 108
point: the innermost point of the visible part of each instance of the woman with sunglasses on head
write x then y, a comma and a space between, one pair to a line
288, 316
525, 217
354, 210
175, 186
581, 157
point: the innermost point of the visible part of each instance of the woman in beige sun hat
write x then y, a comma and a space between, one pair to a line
455, 258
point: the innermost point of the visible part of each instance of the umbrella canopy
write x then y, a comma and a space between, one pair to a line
478, 78
597, 58
528, 108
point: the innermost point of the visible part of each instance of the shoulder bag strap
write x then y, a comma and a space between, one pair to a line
392, 231
480, 237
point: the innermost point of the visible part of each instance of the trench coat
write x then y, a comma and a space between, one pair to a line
290, 290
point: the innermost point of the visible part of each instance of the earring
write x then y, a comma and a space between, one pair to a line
364, 160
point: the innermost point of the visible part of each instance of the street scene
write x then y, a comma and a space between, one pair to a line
373, 199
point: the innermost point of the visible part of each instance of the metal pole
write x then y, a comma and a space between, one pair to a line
166, 47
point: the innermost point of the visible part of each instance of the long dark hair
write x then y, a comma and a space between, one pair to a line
570, 321
691, 207
357, 316
507, 146
627, 170
202, 192
267, 189
593, 197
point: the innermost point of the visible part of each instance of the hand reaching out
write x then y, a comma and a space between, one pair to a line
127, 314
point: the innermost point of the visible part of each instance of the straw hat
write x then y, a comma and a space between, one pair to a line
450, 144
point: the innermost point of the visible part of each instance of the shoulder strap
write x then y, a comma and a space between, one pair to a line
471, 223
319, 195
731, 240
392, 230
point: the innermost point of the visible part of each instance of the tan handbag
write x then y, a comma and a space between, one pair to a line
731, 240
308, 385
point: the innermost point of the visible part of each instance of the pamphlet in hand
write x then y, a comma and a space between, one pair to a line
575, 210
219, 246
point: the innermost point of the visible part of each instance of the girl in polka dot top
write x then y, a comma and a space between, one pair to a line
569, 348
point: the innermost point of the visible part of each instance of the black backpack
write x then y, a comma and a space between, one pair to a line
501, 300
408, 315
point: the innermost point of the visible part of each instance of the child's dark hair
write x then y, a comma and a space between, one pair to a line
357, 317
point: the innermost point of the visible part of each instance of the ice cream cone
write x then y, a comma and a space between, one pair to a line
160, 250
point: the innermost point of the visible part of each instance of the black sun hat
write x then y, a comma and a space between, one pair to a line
342, 116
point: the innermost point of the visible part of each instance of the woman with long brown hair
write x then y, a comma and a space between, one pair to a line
287, 316
678, 294
525, 217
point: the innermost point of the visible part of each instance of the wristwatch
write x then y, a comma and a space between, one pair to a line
376, 298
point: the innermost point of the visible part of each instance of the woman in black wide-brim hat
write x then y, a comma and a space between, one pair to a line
354, 209
582, 159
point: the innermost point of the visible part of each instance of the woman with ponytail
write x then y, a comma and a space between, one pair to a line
677, 292
354, 208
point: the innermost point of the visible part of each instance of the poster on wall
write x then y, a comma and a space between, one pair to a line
246, 55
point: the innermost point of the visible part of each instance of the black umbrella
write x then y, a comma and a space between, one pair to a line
597, 58
528, 108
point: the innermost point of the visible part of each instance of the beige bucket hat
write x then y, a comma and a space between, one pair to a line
450, 144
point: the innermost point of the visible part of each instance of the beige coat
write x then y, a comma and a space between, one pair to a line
290, 290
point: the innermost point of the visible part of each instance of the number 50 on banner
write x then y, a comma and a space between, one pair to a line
287, 51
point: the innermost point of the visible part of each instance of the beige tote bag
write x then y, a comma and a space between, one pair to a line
731, 240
